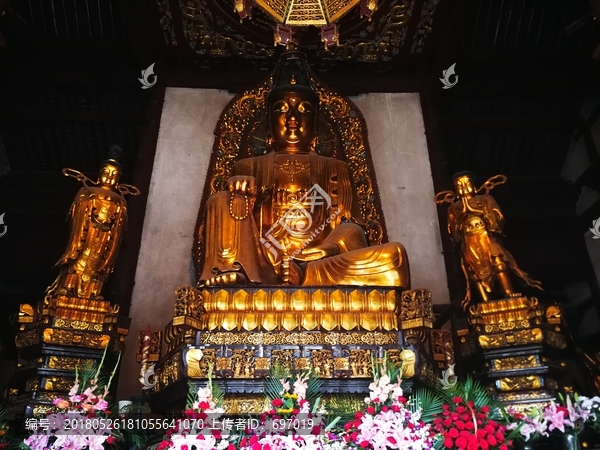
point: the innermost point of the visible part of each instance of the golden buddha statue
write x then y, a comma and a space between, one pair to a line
291, 216
475, 223
98, 220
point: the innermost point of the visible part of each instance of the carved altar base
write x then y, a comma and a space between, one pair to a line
63, 332
513, 342
242, 332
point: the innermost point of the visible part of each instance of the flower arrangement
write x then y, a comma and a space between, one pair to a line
292, 419
193, 430
295, 419
569, 416
471, 419
387, 421
82, 420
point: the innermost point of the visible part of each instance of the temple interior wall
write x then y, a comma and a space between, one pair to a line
401, 159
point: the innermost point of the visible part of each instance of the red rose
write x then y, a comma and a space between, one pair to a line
485, 409
503, 447
370, 410
162, 446
465, 417
277, 402
395, 408
203, 405
489, 429
457, 399
461, 442
461, 409
459, 424
448, 443
492, 423
491, 440
499, 436
472, 446
469, 425
445, 407
448, 423
231, 447
364, 444
481, 432
453, 433
484, 444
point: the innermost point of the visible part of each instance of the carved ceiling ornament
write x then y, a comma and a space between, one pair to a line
398, 28
342, 130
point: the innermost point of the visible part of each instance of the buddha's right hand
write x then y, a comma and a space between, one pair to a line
242, 184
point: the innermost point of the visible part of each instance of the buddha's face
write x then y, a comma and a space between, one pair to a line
292, 120
109, 175
464, 186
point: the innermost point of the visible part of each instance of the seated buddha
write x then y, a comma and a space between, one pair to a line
291, 216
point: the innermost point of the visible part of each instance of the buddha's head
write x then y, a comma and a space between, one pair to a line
464, 185
109, 175
292, 106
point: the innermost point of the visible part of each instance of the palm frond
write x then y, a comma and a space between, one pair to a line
218, 395
314, 387
427, 402
272, 388
191, 395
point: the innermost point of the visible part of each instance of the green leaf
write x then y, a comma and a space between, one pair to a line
428, 402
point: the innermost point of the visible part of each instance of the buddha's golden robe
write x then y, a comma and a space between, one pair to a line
303, 201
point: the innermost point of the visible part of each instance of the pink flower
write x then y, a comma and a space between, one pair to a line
556, 418
101, 405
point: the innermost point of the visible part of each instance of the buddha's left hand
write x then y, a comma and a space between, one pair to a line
319, 252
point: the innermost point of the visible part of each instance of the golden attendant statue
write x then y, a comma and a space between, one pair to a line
98, 220
475, 223
291, 216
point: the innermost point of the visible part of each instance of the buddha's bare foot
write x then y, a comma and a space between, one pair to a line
225, 278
